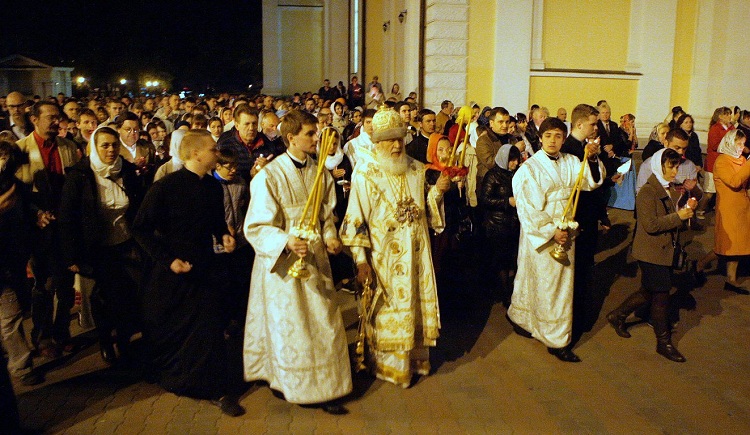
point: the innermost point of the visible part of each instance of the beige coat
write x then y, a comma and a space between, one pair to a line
65, 147
657, 220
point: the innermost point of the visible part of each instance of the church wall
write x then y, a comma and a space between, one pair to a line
302, 48
586, 34
374, 42
567, 92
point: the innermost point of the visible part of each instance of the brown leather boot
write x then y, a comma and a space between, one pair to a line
617, 317
665, 347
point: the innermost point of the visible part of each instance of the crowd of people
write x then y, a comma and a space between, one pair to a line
190, 216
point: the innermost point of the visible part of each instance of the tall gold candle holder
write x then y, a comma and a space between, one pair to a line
567, 221
308, 226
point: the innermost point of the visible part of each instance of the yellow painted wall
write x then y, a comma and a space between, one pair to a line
302, 48
481, 61
586, 34
555, 92
687, 16
374, 40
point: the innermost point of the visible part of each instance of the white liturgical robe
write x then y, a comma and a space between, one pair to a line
294, 333
542, 301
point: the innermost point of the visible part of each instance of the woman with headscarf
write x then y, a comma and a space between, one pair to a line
175, 163
657, 140
438, 153
501, 225
731, 175
100, 198
340, 120
657, 231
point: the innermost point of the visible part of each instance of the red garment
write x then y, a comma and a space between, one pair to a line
715, 134
50, 155
252, 146
432, 158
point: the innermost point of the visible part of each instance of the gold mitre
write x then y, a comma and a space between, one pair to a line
387, 125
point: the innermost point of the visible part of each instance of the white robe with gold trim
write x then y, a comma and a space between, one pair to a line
294, 334
406, 315
542, 301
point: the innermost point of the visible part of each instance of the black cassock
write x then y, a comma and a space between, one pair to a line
182, 322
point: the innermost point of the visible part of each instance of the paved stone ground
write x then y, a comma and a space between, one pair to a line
486, 379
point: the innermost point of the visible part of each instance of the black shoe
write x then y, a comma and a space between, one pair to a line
107, 351
517, 329
736, 289
699, 278
32, 378
229, 406
564, 354
334, 408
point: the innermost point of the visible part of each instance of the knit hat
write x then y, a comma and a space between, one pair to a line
387, 125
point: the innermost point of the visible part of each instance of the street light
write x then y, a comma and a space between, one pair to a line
81, 80
156, 84
149, 84
123, 81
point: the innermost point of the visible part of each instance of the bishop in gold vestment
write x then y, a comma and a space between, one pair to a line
386, 227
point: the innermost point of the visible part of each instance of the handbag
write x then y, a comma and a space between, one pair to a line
679, 257
679, 254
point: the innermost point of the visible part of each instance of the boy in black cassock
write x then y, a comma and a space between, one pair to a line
182, 318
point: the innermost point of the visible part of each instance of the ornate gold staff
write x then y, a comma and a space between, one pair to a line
364, 317
559, 252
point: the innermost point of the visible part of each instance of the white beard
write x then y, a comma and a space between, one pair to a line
393, 165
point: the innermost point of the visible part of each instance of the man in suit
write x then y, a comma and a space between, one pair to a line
44, 173
610, 139
17, 122
141, 153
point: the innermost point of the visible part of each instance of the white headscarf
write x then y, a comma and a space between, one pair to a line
100, 168
501, 158
727, 145
656, 168
333, 161
174, 148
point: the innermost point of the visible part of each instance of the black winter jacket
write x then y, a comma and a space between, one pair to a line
81, 225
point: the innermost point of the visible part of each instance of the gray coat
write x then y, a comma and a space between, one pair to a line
655, 226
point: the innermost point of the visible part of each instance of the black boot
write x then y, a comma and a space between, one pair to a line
663, 333
617, 317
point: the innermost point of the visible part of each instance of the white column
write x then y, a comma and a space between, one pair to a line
699, 103
656, 54
635, 37
271, 48
514, 22
537, 57
446, 42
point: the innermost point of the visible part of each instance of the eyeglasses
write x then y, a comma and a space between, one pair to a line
130, 130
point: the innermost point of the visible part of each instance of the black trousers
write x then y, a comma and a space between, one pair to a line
116, 299
51, 278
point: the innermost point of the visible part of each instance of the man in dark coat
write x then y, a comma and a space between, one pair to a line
591, 210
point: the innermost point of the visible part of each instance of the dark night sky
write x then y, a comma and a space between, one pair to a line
196, 43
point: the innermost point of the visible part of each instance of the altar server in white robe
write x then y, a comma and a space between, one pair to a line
542, 303
294, 334
386, 226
